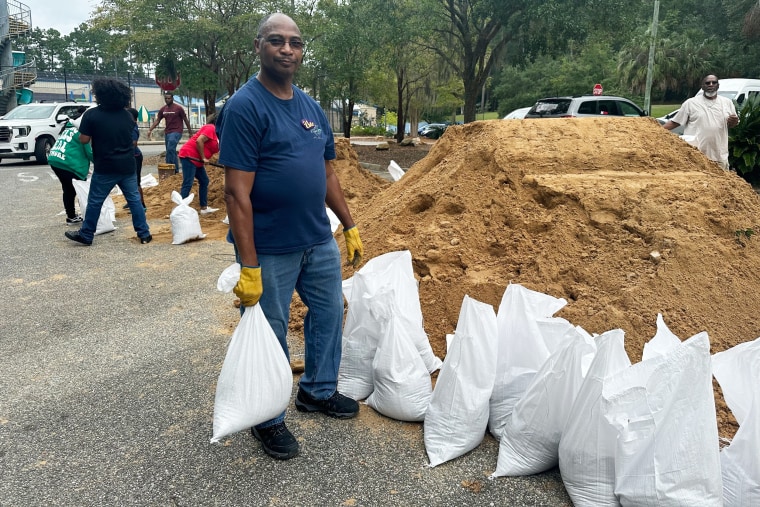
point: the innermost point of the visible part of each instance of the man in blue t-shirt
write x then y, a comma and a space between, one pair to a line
277, 148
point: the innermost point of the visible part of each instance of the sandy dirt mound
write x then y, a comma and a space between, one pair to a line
616, 215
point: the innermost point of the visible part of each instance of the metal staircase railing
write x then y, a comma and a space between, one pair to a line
17, 23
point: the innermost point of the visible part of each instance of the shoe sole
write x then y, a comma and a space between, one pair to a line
272, 452
306, 407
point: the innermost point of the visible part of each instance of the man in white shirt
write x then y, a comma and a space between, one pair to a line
708, 116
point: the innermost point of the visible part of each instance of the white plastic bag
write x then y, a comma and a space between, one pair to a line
363, 327
522, 348
738, 372
457, 417
530, 438
107, 211
255, 382
663, 410
395, 170
229, 278
662, 342
402, 385
587, 444
185, 223
148, 181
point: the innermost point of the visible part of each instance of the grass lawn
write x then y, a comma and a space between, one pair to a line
663, 109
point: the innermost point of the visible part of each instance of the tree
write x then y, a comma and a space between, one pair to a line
210, 41
341, 51
470, 39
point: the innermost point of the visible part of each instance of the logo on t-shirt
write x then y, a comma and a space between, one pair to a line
312, 127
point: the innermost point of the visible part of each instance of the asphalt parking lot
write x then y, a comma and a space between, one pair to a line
110, 355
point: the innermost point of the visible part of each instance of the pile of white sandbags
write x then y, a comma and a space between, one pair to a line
553, 394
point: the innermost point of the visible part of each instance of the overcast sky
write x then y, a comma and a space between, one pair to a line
63, 15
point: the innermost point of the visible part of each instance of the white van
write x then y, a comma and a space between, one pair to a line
738, 89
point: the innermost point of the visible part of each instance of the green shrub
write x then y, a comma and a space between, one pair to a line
744, 141
367, 131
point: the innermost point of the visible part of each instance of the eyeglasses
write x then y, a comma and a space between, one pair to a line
279, 42
711, 82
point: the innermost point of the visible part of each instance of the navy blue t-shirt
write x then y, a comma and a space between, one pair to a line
286, 143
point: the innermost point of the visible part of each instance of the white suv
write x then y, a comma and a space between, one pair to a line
584, 106
30, 130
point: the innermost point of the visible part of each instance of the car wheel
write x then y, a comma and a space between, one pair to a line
42, 149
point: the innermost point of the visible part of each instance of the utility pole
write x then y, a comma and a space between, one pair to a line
650, 64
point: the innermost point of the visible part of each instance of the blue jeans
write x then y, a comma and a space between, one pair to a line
100, 186
170, 142
316, 275
189, 173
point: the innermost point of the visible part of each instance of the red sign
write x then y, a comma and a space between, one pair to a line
598, 89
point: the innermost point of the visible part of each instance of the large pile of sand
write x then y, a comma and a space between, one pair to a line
616, 215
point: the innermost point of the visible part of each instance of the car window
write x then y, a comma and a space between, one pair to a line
69, 110
608, 107
627, 109
588, 107
551, 107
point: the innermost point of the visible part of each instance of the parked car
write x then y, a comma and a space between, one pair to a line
517, 114
662, 120
31, 130
584, 106
433, 130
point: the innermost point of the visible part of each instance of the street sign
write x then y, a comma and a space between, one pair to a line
598, 89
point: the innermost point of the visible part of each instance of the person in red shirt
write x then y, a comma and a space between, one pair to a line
194, 154
173, 115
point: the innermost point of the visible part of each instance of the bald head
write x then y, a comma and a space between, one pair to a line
270, 21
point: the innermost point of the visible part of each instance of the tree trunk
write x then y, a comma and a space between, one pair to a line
348, 116
400, 120
471, 92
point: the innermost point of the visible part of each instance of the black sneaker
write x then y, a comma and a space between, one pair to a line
75, 236
76, 220
146, 239
277, 441
336, 405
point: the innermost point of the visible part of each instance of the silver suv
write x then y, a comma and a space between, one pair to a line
584, 106
31, 130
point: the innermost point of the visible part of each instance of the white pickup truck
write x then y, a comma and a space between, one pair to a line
30, 130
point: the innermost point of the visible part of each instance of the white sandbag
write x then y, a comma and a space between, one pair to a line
107, 211
521, 348
255, 382
663, 411
530, 438
662, 342
228, 278
457, 417
738, 373
186, 225
334, 220
148, 181
740, 461
402, 384
395, 170
587, 444
362, 329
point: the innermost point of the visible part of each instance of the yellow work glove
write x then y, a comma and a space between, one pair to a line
354, 248
249, 287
